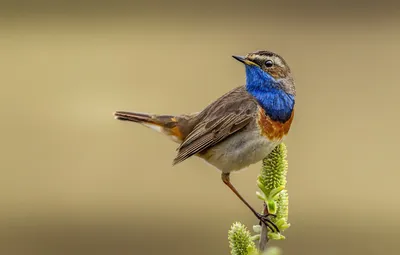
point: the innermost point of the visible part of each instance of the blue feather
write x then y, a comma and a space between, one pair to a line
277, 104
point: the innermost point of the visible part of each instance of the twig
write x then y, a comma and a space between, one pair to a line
262, 245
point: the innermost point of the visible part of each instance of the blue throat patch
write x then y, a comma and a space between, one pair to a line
277, 104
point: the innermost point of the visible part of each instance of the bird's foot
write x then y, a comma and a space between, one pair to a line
265, 218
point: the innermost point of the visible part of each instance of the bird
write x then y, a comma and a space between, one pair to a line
238, 129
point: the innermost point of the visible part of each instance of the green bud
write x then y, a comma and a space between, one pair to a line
271, 182
240, 240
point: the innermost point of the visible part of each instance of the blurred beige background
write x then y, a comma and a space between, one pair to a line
75, 181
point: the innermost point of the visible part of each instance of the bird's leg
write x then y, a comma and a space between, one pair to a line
262, 217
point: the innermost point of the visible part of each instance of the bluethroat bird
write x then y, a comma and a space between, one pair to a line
238, 129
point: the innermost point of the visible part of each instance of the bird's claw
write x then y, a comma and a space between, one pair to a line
265, 218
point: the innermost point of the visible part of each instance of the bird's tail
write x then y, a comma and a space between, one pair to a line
167, 124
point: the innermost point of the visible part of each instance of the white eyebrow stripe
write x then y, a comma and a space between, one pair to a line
278, 61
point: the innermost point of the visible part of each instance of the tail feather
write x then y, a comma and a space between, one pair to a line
132, 116
166, 124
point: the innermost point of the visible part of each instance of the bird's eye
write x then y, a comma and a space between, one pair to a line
269, 63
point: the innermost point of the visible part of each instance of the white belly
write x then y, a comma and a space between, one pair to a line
239, 151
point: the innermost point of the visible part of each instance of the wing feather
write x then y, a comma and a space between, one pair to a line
226, 116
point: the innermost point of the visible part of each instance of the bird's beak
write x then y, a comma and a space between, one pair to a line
244, 60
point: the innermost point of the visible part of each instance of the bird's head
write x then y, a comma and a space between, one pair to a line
265, 69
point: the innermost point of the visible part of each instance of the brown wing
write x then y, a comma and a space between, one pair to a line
224, 117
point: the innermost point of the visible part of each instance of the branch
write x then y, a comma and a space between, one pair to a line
262, 244
272, 183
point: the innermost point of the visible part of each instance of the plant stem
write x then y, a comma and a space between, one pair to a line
262, 245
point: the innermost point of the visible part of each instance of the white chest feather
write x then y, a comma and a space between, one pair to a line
239, 151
